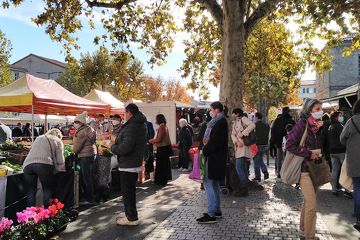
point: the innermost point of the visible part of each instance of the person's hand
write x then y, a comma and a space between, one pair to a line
240, 135
151, 141
314, 155
319, 124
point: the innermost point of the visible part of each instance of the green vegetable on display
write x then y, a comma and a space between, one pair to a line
17, 168
8, 145
67, 150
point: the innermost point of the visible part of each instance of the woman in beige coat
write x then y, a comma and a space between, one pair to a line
242, 127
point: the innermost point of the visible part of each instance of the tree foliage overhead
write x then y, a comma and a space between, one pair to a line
5, 54
152, 25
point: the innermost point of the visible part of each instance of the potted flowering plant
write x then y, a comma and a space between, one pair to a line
35, 223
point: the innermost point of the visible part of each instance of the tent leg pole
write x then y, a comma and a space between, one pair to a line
46, 124
32, 123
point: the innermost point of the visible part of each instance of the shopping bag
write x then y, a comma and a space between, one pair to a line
345, 181
195, 173
254, 149
291, 168
319, 172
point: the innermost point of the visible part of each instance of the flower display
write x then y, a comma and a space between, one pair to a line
35, 222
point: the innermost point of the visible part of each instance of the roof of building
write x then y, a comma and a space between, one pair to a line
12, 67
49, 60
352, 89
308, 82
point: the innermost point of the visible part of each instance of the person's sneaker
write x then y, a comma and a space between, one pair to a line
335, 193
126, 222
206, 219
357, 226
266, 175
256, 180
297, 186
217, 214
348, 195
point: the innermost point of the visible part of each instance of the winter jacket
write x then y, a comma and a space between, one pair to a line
216, 150
84, 142
312, 142
185, 141
334, 143
278, 131
243, 126
130, 143
41, 152
350, 137
262, 133
325, 139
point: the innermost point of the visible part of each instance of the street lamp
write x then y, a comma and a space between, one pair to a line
48, 74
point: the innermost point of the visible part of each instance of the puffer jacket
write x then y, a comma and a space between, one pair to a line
84, 142
131, 141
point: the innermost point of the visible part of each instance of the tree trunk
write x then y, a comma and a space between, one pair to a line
233, 53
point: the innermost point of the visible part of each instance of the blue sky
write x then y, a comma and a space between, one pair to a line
28, 38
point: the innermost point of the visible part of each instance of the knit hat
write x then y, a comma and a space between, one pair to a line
82, 117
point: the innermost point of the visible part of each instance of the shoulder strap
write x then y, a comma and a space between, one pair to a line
52, 156
304, 136
357, 129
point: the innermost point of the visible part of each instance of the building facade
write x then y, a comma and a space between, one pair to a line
17, 72
307, 89
345, 72
39, 67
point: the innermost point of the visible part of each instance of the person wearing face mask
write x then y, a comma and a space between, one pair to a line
184, 145
311, 151
337, 150
116, 122
215, 151
85, 148
242, 127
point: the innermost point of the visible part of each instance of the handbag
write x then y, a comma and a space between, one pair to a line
344, 180
291, 168
319, 172
251, 138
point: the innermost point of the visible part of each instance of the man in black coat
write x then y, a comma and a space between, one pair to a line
130, 148
185, 142
262, 140
216, 151
17, 132
277, 134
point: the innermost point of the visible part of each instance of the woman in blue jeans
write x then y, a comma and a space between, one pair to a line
241, 128
44, 159
350, 137
215, 151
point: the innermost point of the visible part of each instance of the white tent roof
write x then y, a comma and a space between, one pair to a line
104, 97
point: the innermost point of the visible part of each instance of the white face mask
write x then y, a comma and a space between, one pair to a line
115, 122
317, 115
77, 125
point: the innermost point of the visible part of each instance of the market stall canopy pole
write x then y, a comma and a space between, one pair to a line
47, 96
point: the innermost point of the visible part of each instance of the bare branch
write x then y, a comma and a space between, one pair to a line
215, 10
262, 11
110, 4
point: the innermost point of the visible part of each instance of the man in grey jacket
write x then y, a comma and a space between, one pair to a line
130, 147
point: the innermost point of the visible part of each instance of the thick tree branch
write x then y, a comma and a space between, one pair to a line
215, 10
262, 11
110, 4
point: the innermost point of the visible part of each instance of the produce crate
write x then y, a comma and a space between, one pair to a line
17, 156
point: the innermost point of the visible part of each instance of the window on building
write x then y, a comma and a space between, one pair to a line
314, 90
17, 75
307, 90
303, 90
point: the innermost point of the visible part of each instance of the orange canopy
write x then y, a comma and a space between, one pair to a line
47, 97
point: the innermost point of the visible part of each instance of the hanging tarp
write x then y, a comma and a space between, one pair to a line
106, 98
47, 97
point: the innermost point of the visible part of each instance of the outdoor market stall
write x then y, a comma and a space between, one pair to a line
34, 95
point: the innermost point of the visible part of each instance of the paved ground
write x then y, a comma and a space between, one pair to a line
170, 213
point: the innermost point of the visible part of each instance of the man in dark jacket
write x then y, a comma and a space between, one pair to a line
202, 129
130, 148
185, 142
17, 132
277, 134
149, 151
262, 139
216, 152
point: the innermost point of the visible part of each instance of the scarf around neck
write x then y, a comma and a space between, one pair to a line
211, 124
312, 124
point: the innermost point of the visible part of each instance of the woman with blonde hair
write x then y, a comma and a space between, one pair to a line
45, 158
